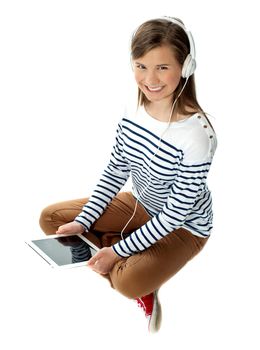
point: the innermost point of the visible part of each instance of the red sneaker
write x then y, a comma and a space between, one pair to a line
152, 308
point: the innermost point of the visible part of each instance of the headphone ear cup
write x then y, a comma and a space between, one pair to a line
188, 67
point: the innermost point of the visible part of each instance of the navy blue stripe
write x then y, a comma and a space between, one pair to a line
132, 251
85, 219
138, 150
185, 189
107, 189
165, 229
93, 209
147, 164
114, 176
97, 197
152, 234
202, 204
119, 162
195, 165
116, 152
82, 223
95, 203
154, 145
178, 213
151, 201
116, 166
198, 178
179, 201
156, 189
111, 184
152, 134
204, 171
188, 183
113, 180
136, 235
103, 194
144, 236
89, 214
175, 206
120, 245
156, 229
116, 251
182, 194
133, 242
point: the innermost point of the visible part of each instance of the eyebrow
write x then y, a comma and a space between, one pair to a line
157, 65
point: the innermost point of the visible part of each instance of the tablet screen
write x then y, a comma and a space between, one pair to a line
65, 250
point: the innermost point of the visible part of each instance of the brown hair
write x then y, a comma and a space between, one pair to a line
159, 32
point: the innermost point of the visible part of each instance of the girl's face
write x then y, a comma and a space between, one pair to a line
158, 74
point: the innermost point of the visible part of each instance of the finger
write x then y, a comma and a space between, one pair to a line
65, 229
100, 271
92, 261
60, 230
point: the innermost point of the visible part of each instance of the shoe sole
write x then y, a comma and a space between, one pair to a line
156, 317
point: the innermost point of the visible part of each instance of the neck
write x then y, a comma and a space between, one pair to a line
160, 111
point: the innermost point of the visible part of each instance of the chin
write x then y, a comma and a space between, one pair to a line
153, 99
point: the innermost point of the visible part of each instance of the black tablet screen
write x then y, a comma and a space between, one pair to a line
65, 250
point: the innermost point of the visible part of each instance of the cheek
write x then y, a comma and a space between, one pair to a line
174, 81
137, 76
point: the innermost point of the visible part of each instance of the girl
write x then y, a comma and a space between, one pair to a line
167, 146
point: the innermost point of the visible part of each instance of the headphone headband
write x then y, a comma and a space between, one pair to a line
189, 64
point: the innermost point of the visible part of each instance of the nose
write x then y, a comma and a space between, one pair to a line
151, 78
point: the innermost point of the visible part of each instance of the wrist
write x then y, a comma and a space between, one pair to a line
116, 257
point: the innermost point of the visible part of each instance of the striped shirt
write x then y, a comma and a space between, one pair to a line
168, 177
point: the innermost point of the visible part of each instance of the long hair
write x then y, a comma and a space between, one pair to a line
159, 32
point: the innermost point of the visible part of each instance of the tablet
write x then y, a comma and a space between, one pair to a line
64, 251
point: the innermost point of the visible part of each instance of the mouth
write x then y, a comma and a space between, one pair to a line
154, 88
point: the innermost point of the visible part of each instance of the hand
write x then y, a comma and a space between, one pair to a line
70, 228
103, 261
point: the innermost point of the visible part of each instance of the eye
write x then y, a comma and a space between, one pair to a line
140, 66
163, 67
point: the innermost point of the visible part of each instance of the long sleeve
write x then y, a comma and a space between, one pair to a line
187, 195
112, 180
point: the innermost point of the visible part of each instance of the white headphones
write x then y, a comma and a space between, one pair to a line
189, 64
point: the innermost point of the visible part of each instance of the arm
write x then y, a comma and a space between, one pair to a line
110, 183
189, 183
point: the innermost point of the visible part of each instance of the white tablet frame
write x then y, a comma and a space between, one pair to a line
49, 260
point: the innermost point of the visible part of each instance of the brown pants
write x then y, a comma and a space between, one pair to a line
141, 273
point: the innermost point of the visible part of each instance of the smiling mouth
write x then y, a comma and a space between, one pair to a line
154, 88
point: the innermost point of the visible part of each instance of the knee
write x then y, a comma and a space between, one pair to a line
129, 282
125, 289
46, 221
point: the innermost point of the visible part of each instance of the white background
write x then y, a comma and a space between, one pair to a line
65, 76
